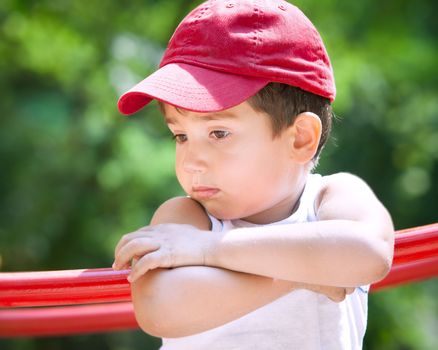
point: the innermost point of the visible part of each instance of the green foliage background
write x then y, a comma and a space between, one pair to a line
75, 175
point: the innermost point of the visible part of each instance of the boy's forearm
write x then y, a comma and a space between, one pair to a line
331, 252
187, 300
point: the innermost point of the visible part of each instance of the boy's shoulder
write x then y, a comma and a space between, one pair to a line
334, 185
347, 196
342, 181
182, 210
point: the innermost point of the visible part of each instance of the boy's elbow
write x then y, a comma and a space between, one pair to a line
373, 268
382, 259
382, 268
385, 245
388, 249
151, 311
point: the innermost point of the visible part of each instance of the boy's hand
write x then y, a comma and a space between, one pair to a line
165, 246
336, 294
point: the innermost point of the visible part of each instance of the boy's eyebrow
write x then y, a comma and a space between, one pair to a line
169, 120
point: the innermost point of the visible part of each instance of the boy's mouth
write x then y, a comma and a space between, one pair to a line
204, 192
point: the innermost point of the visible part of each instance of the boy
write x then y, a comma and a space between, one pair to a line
261, 253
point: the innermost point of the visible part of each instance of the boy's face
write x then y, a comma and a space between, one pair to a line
230, 162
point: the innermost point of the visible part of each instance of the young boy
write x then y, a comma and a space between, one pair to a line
261, 253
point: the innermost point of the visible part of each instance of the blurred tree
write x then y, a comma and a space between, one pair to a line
76, 175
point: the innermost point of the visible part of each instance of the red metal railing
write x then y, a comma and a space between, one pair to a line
48, 288
65, 320
108, 291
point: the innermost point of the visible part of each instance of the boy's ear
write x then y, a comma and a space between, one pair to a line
306, 133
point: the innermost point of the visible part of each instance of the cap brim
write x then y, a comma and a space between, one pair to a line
192, 88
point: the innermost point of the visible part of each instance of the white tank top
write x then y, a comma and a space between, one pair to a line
301, 320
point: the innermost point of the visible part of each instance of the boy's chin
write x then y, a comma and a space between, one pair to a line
227, 214
221, 214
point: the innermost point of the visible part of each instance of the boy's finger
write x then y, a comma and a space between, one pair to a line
124, 240
129, 237
135, 248
148, 262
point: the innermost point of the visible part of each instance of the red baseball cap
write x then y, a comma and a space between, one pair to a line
223, 52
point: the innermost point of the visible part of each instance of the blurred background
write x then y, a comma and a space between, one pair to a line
76, 175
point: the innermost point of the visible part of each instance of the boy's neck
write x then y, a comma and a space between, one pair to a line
281, 210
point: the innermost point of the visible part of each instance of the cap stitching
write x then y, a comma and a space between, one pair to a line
181, 93
255, 39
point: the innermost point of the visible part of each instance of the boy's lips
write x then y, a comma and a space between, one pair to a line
204, 192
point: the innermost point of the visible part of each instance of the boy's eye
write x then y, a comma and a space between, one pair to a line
219, 134
180, 138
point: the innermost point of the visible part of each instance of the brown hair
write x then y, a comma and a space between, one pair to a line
284, 102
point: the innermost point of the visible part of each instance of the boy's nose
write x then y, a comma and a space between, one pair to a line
194, 162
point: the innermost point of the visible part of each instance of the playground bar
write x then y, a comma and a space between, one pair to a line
108, 292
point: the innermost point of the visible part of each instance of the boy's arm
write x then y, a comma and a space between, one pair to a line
187, 300
351, 245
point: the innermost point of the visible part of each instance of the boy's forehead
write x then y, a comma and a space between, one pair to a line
172, 113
